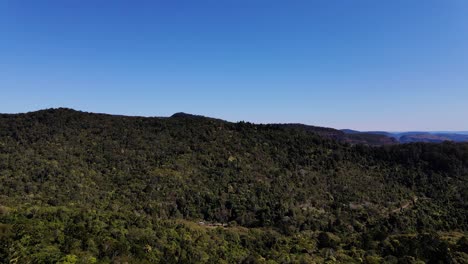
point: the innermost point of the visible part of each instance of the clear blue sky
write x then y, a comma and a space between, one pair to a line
387, 65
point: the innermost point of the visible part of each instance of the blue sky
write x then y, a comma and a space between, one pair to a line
369, 65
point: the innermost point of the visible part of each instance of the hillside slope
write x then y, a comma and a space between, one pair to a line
88, 188
346, 136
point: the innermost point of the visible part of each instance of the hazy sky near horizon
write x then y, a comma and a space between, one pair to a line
394, 65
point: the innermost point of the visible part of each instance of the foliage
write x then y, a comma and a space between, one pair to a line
91, 188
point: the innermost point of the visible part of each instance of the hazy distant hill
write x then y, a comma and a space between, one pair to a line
80, 187
408, 137
432, 137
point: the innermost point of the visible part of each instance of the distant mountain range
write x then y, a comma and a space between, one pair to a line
379, 138
416, 136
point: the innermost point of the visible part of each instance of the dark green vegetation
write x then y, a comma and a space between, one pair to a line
90, 188
347, 136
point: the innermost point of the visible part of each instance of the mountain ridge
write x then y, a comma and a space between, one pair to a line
372, 138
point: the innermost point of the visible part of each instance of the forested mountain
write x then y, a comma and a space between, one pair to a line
79, 187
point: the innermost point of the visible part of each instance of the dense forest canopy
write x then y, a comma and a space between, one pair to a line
79, 187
